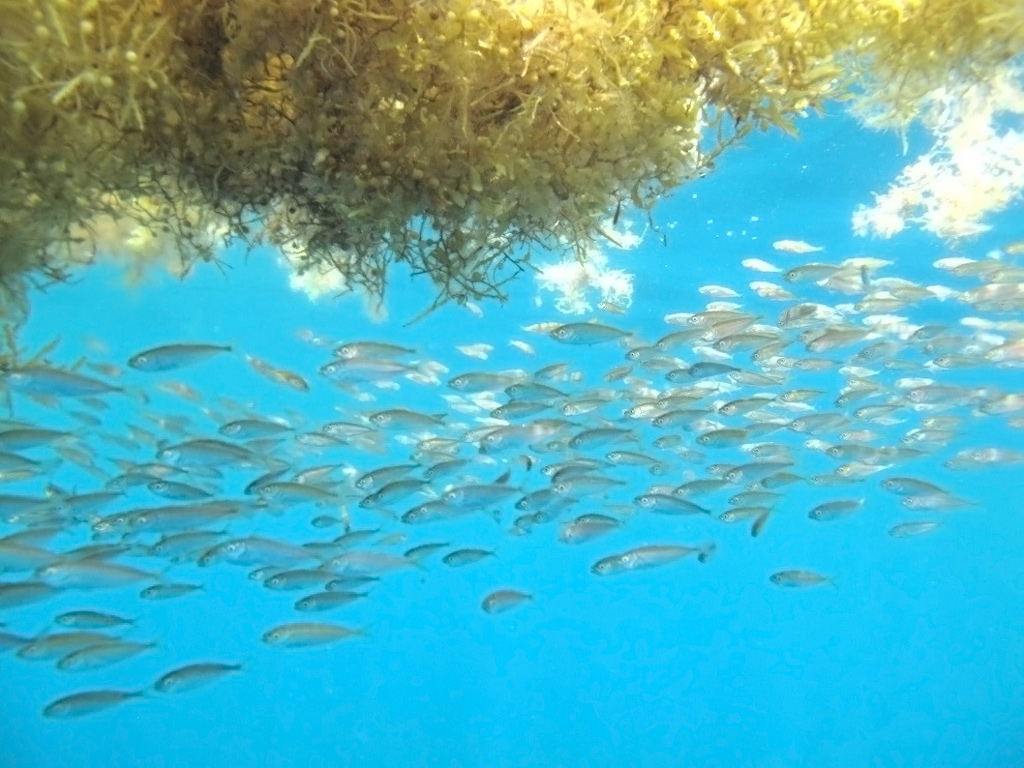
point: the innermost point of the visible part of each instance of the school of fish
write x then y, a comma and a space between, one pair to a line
837, 378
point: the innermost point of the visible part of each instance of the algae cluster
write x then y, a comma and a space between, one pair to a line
452, 136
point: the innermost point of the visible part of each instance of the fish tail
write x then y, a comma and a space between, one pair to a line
707, 551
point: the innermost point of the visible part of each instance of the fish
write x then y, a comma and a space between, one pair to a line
193, 676
169, 591
170, 357
669, 504
308, 635
299, 578
249, 429
913, 528
799, 578
587, 528
46, 647
377, 350
650, 556
909, 486
503, 600
834, 510
403, 418
91, 574
91, 620
257, 550
327, 601
587, 334
87, 703
15, 593
205, 452
170, 489
464, 557
54, 382
101, 655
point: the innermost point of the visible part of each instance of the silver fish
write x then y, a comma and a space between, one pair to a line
55, 382
172, 356
650, 556
101, 655
587, 333
308, 634
503, 600
193, 676
87, 703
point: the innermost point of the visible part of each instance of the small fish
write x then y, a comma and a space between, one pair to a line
504, 600
193, 676
172, 356
87, 703
60, 644
797, 578
834, 510
328, 601
91, 620
669, 504
251, 429
587, 334
300, 578
422, 551
308, 634
91, 574
723, 438
176, 491
402, 418
650, 556
463, 557
587, 527
910, 486
24, 592
54, 382
371, 349
101, 655
915, 528
169, 591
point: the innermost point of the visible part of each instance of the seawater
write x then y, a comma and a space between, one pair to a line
914, 658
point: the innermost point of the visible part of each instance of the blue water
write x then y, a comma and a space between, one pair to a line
914, 659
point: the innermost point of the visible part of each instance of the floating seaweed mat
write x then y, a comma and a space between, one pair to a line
453, 136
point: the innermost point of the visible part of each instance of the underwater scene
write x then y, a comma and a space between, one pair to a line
652, 410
